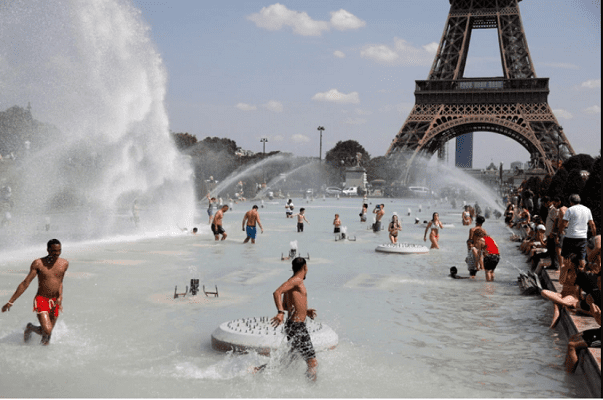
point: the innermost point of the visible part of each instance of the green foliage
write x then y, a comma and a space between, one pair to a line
18, 126
346, 152
184, 140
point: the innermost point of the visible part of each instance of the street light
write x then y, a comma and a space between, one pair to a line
320, 129
263, 141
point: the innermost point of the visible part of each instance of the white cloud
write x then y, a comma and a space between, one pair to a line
431, 48
299, 138
593, 110
273, 105
339, 54
380, 53
402, 53
355, 121
277, 16
335, 96
343, 20
592, 84
278, 138
363, 112
561, 113
246, 107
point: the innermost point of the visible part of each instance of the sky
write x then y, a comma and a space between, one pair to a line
250, 69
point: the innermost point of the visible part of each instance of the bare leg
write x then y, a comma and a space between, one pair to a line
47, 324
223, 236
434, 241
571, 360
29, 329
246, 240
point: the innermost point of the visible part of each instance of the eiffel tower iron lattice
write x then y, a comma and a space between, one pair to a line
448, 105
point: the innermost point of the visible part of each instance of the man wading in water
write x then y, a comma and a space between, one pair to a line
48, 301
292, 297
251, 217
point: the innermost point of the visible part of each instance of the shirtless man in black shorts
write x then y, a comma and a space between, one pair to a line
292, 297
216, 225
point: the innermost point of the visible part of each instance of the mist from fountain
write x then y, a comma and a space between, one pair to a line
283, 177
90, 69
437, 175
244, 172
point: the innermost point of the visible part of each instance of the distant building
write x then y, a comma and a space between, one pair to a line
464, 151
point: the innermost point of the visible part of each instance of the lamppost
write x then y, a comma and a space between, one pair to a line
320, 129
263, 141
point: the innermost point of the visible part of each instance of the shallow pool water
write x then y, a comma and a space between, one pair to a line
406, 329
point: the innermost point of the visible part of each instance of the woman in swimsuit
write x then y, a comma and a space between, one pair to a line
435, 224
394, 227
467, 220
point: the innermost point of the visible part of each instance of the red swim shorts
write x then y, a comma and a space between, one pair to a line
45, 305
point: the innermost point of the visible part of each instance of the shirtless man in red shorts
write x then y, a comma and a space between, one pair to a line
50, 271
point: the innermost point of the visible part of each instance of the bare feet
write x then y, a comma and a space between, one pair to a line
27, 332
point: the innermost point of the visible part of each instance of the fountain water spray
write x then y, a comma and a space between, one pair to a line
90, 69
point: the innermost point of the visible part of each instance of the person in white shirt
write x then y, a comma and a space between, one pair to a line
575, 223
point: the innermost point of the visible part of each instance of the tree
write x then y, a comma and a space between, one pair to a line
346, 152
184, 140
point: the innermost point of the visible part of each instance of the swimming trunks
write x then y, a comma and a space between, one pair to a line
336, 230
491, 261
300, 226
377, 226
592, 337
217, 230
46, 305
299, 338
251, 231
574, 246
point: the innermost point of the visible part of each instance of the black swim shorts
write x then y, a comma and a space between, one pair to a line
300, 226
573, 246
217, 230
377, 226
491, 261
299, 338
592, 337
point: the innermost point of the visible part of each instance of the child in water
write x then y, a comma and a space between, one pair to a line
337, 224
300, 219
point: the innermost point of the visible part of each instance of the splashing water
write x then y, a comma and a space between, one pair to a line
90, 69
247, 170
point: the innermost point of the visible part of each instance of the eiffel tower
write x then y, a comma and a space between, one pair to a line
448, 105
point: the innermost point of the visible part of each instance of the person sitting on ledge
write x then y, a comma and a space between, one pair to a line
583, 340
574, 282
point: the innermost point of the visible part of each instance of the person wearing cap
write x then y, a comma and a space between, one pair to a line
539, 248
394, 228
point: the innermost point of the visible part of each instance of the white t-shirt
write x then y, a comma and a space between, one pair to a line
577, 217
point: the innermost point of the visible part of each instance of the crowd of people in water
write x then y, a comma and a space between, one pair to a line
560, 231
